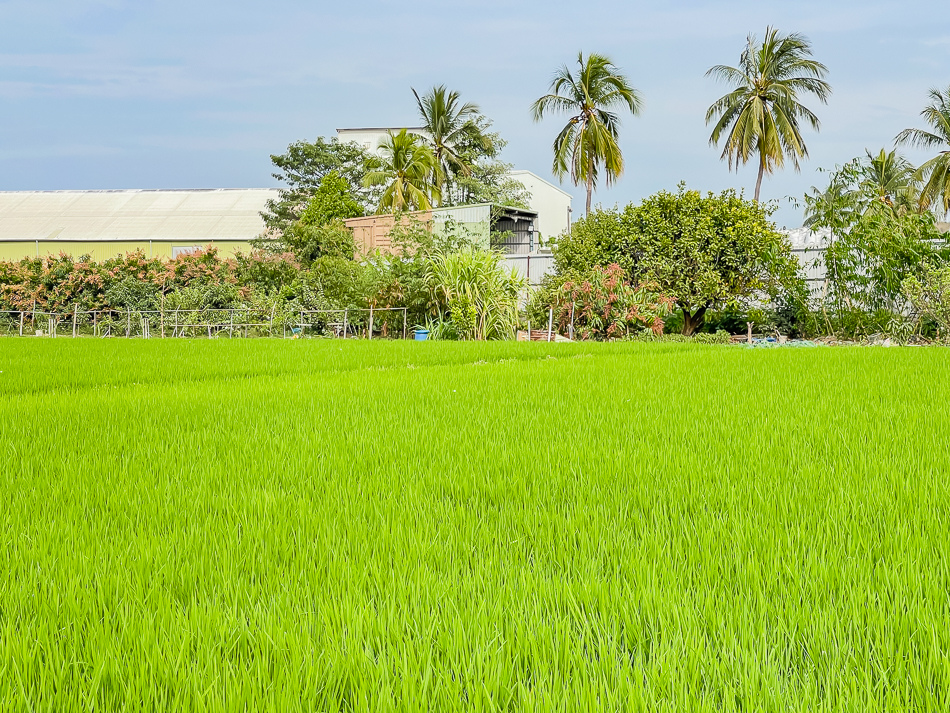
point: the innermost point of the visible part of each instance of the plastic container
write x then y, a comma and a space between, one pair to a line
421, 335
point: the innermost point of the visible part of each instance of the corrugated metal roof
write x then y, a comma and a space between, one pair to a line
193, 215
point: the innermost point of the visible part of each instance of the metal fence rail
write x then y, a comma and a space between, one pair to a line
389, 322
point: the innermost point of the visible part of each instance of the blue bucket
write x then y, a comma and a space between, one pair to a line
421, 335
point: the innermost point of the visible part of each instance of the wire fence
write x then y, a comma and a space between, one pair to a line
369, 323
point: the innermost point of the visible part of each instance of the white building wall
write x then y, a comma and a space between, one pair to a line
370, 139
552, 204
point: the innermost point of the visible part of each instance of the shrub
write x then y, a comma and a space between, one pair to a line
930, 294
605, 306
704, 251
473, 278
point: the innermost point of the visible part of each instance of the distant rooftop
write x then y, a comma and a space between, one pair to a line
197, 215
382, 128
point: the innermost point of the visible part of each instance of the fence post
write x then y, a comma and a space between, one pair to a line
346, 314
75, 314
572, 321
161, 320
128, 322
21, 324
550, 321
369, 333
405, 323
231, 326
749, 333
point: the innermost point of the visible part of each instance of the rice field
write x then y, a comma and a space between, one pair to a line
367, 526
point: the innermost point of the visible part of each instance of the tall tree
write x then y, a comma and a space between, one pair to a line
589, 140
409, 174
450, 127
935, 173
302, 170
762, 117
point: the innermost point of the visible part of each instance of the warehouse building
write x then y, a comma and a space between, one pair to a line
102, 224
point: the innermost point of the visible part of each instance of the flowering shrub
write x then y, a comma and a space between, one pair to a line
606, 306
133, 281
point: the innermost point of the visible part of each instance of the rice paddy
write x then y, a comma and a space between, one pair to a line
366, 526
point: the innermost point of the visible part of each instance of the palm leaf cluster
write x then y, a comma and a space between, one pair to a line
407, 173
588, 143
762, 117
451, 127
934, 174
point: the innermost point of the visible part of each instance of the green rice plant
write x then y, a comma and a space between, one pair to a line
305, 525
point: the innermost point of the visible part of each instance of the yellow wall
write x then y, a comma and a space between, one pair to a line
16, 250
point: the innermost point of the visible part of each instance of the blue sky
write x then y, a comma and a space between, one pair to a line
174, 94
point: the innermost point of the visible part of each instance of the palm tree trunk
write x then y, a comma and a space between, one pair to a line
758, 183
590, 191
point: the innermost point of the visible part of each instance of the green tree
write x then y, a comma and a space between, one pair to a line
490, 181
589, 140
450, 126
934, 173
310, 242
868, 263
408, 173
882, 182
333, 200
888, 183
704, 252
302, 170
762, 117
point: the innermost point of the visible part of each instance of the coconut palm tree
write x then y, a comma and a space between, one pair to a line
935, 173
588, 142
409, 172
448, 125
888, 182
762, 116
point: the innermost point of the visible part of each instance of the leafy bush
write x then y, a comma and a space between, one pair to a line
310, 242
930, 294
471, 278
719, 337
705, 252
606, 306
868, 265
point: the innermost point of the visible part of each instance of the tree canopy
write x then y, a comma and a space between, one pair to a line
763, 116
934, 173
588, 143
408, 175
304, 166
701, 251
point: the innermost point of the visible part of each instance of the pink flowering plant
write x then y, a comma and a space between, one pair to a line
604, 305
